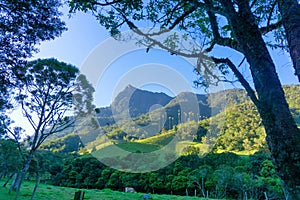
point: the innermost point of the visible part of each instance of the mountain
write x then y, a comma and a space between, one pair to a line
131, 102
134, 103
208, 104
240, 130
138, 101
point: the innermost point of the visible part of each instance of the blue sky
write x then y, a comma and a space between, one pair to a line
84, 34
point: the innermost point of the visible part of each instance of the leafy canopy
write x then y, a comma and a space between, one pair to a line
206, 22
46, 97
23, 25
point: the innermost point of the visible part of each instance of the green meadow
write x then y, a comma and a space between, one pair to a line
49, 192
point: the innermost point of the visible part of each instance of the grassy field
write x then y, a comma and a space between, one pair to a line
160, 140
49, 192
136, 147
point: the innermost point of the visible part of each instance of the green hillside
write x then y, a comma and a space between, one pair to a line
136, 147
159, 140
237, 128
292, 94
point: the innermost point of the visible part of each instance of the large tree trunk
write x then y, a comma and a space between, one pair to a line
283, 136
290, 12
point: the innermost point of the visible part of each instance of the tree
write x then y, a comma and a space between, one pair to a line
45, 100
198, 176
23, 25
237, 24
156, 182
290, 13
10, 159
223, 179
38, 166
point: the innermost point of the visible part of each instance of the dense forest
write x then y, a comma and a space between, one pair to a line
217, 175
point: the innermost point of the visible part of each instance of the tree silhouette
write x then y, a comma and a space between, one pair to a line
23, 25
46, 100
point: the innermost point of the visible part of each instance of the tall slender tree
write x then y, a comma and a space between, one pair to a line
240, 25
46, 102
23, 25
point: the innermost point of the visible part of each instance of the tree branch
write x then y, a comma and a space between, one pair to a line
28, 116
44, 103
54, 130
253, 3
240, 77
17, 141
271, 27
177, 6
271, 12
107, 3
155, 42
181, 18
218, 39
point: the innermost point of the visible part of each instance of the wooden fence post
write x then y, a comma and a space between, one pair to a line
79, 195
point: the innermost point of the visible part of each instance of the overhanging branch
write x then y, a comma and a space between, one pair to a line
271, 27
240, 77
218, 39
107, 3
181, 18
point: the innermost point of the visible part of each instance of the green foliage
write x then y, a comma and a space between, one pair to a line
205, 22
292, 94
46, 96
160, 139
237, 128
83, 98
66, 144
242, 130
223, 175
215, 23
267, 169
10, 157
45, 99
24, 24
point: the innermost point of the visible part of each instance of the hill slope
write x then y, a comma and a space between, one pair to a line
230, 113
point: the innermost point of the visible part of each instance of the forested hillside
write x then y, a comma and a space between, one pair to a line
234, 159
239, 127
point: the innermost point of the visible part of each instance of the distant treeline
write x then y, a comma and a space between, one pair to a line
224, 175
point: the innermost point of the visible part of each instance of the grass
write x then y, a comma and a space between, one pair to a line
124, 149
160, 140
136, 147
49, 192
240, 153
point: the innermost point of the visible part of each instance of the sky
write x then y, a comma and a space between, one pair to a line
111, 65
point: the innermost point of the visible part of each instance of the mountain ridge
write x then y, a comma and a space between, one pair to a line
230, 103
135, 102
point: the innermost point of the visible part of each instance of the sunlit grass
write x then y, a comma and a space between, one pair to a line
49, 192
